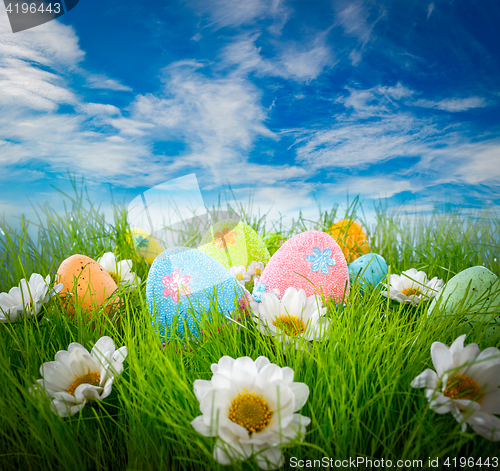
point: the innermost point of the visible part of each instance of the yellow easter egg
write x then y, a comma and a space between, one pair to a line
351, 238
129, 252
145, 244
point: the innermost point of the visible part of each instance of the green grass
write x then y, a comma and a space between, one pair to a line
361, 403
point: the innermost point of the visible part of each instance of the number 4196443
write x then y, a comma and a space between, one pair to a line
34, 8
462, 462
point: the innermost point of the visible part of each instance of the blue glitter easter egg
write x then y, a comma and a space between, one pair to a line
185, 286
368, 271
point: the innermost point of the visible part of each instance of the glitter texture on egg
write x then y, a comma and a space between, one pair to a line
233, 243
184, 286
312, 261
351, 237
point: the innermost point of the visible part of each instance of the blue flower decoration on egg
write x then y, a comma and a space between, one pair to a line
321, 260
258, 290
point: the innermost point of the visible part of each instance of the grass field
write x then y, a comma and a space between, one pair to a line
360, 403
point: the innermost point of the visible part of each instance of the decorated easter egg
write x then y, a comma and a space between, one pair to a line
130, 251
368, 270
85, 283
185, 286
273, 241
474, 295
351, 237
232, 243
146, 246
312, 261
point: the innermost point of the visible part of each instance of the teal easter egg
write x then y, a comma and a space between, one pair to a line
233, 243
185, 286
368, 270
474, 295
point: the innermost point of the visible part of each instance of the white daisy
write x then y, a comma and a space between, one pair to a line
296, 315
412, 287
241, 274
466, 383
255, 269
27, 298
239, 405
121, 272
77, 376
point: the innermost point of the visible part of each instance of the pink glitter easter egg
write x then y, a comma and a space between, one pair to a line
312, 261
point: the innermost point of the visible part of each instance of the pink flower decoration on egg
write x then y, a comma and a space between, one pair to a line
176, 284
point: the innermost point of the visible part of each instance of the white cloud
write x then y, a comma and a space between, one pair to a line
130, 127
232, 13
35, 68
374, 187
454, 105
358, 20
103, 82
218, 119
353, 16
305, 64
22, 81
430, 9
61, 141
468, 162
51, 44
376, 101
280, 203
300, 62
25, 85
377, 129
96, 109
355, 145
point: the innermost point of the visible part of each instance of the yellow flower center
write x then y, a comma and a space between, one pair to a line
93, 378
257, 271
411, 292
239, 276
251, 412
463, 387
291, 325
114, 275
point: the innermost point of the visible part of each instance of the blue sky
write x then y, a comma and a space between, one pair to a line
293, 101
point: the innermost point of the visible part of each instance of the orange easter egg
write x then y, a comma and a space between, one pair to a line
85, 283
351, 237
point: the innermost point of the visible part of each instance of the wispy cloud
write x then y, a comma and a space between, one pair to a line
30, 66
374, 101
23, 84
103, 82
454, 105
379, 125
35, 72
353, 17
430, 9
357, 145
234, 13
218, 120
374, 187
358, 20
301, 62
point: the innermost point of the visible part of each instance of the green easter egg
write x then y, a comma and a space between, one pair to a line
273, 241
474, 295
234, 243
